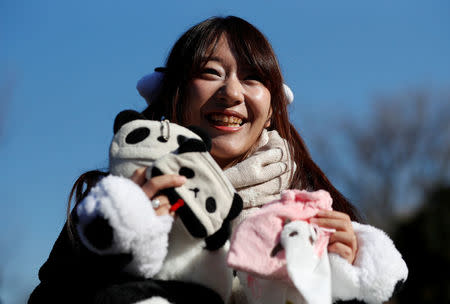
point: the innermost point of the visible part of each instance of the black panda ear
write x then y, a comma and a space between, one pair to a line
236, 207
192, 145
200, 132
124, 117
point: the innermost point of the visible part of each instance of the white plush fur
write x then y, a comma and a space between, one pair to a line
137, 229
187, 260
154, 300
376, 270
149, 85
309, 272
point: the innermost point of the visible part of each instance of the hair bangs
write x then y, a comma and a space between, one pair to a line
254, 50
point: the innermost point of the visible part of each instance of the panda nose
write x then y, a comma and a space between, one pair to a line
195, 190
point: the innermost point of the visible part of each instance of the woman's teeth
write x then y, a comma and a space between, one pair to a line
225, 120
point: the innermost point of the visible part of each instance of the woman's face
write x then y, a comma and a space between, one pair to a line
230, 103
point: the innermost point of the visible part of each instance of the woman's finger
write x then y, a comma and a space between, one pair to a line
139, 176
333, 219
343, 241
164, 205
343, 250
333, 214
337, 224
346, 238
158, 183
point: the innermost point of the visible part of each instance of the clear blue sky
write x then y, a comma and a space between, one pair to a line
67, 67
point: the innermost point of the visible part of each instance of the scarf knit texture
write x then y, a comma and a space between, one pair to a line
260, 178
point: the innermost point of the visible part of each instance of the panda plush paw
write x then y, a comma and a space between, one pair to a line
117, 217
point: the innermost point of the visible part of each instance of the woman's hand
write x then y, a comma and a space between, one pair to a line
153, 186
343, 241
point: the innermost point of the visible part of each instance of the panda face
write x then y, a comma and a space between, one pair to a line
139, 142
208, 196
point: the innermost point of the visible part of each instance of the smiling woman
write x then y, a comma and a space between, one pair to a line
229, 102
220, 70
223, 77
225, 68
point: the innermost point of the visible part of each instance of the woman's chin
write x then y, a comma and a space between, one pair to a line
227, 156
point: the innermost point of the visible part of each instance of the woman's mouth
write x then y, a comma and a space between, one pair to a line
225, 120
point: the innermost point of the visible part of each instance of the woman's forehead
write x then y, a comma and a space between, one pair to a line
221, 50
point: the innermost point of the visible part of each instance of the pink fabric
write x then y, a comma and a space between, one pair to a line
254, 239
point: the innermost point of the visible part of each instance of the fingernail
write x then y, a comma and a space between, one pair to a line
182, 179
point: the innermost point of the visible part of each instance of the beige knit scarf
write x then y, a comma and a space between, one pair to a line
262, 176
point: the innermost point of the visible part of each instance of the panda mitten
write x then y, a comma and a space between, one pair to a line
377, 271
117, 217
207, 202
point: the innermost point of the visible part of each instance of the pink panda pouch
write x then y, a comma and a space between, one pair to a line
255, 244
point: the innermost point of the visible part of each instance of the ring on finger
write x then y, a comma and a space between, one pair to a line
155, 203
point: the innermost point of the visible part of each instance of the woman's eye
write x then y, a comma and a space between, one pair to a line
210, 71
254, 77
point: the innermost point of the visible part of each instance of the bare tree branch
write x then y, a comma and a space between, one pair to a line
392, 158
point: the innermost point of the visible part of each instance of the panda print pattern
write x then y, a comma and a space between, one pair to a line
208, 200
138, 142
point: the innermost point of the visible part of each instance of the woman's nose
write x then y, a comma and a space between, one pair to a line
232, 91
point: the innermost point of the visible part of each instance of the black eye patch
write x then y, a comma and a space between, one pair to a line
181, 139
137, 135
210, 204
187, 172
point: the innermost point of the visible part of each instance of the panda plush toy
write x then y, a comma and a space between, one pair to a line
179, 259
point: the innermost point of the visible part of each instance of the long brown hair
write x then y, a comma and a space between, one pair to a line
186, 59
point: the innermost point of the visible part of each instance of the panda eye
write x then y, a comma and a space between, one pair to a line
137, 135
187, 172
210, 205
